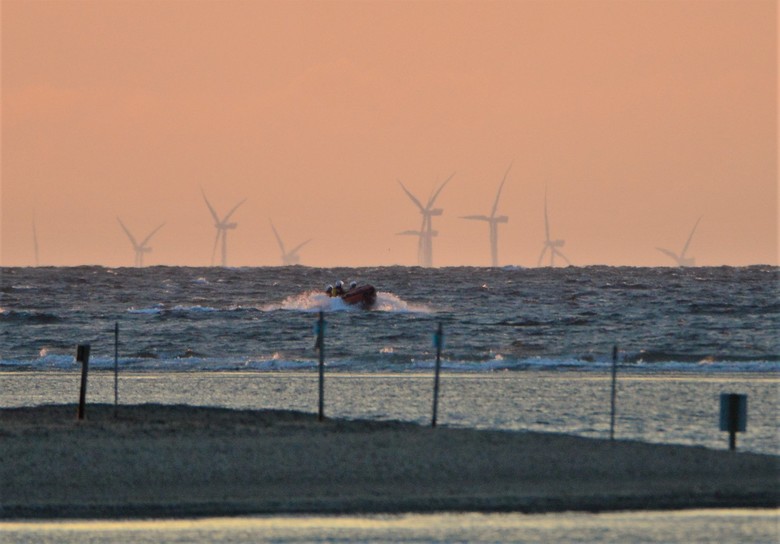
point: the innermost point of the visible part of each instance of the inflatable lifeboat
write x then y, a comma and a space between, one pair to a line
364, 295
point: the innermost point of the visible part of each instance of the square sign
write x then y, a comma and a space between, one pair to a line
733, 412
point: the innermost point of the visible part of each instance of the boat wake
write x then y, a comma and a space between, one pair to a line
315, 301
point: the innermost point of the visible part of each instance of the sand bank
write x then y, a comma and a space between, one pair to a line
157, 461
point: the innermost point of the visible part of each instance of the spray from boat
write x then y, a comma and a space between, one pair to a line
316, 301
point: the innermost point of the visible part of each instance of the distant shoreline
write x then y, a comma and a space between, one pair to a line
180, 461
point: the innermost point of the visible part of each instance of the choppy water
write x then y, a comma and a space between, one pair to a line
694, 319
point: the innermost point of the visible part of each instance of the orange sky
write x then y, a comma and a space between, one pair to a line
638, 117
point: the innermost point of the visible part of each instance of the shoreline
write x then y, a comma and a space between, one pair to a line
166, 461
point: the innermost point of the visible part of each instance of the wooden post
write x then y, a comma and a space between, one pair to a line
82, 356
614, 391
116, 367
437, 342
321, 346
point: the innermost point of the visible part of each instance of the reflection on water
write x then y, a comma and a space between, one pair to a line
724, 526
669, 408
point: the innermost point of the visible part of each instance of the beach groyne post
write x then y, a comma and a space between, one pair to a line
614, 393
116, 367
438, 339
320, 345
82, 356
733, 416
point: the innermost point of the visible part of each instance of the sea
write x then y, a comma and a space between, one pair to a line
539, 349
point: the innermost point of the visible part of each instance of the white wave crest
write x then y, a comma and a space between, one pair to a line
315, 301
151, 311
388, 302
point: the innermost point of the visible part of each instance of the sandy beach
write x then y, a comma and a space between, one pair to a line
161, 461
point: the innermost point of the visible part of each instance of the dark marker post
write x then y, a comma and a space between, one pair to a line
438, 337
733, 416
614, 390
82, 356
320, 345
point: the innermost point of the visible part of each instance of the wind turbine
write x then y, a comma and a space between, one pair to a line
493, 220
426, 233
288, 257
141, 248
222, 227
35, 241
681, 259
551, 245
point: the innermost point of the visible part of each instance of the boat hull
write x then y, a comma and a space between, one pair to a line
363, 295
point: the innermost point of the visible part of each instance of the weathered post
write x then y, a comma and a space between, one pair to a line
320, 345
614, 392
116, 367
733, 416
438, 338
82, 356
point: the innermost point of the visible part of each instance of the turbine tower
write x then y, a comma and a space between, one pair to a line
493, 220
681, 259
551, 245
291, 257
426, 233
222, 226
35, 242
141, 248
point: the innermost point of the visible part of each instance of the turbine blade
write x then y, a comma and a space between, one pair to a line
435, 195
546, 221
685, 247
278, 239
233, 210
670, 254
211, 208
410, 195
295, 250
498, 195
132, 240
409, 233
541, 256
476, 217
560, 254
149, 237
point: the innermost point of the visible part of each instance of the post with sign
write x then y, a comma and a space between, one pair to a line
320, 345
614, 391
733, 416
438, 338
82, 356
116, 367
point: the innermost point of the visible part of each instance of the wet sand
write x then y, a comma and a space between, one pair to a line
163, 461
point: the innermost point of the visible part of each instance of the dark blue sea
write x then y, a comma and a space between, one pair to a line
699, 320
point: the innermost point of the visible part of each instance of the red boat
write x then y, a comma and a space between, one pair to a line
365, 295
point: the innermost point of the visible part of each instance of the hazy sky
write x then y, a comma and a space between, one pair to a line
637, 116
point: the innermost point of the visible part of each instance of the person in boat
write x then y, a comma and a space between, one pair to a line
329, 291
352, 285
339, 289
